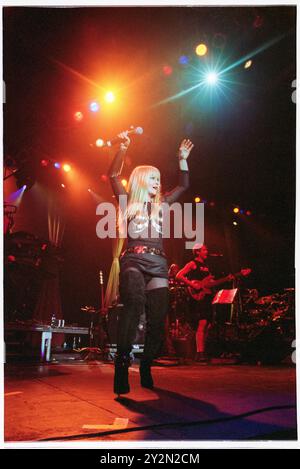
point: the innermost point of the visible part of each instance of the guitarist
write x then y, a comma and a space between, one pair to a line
201, 309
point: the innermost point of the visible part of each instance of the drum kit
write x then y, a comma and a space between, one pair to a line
262, 330
271, 308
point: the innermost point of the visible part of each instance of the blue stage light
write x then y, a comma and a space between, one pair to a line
183, 60
94, 106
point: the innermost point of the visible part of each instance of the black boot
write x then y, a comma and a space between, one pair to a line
145, 374
121, 383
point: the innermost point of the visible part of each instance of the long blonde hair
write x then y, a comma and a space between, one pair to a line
138, 194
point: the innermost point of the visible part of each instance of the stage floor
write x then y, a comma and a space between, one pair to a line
76, 399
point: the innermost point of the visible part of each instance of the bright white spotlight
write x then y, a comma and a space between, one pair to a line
211, 78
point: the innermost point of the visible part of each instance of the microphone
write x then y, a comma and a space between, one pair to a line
114, 141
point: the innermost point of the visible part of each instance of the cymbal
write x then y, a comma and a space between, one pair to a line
89, 309
264, 300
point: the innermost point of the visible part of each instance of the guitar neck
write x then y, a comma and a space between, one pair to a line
215, 283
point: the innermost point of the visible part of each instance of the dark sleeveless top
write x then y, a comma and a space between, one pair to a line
200, 272
154, 265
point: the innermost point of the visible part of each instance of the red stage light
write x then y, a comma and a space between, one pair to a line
104, 177
167, 70
44, 163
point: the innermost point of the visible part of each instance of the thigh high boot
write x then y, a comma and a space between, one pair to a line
132, 293
156, 311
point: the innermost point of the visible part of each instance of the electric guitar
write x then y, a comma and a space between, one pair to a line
200, 288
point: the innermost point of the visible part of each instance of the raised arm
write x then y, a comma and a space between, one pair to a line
185, 148
117, 166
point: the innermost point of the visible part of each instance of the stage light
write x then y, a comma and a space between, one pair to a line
167, 70
212, 204
211, 78
104, 177
78, 116
197, 199
63, 186
248, 64
242, 212
236, 210
248, 213
235, 223
258, 22
67, 168
57, 165
94, 106
124, 182
201, 50
16, 197
109, 97
183, 60
99, 142
44, 163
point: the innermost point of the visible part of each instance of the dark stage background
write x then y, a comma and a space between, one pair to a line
56, 60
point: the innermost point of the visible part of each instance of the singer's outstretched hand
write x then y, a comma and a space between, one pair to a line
124, 145
185, 149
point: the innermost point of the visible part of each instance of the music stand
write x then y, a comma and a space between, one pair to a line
226, 297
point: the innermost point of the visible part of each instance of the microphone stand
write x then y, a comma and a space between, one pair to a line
93, 352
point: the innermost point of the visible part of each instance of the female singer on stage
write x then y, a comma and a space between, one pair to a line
143, 264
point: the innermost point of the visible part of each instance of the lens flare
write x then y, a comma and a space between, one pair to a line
211, 78
109, 97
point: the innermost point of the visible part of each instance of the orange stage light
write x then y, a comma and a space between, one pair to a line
124, 182
236, 210
197, 199
201, 50
78, 116
109, 97
67, 168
